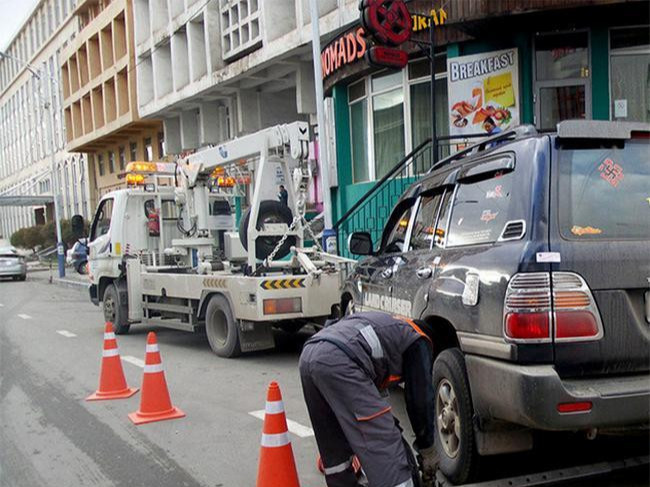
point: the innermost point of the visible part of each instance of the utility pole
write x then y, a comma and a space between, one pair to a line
329, 236
60, 250
49, 105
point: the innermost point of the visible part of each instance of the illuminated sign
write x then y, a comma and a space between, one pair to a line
352, 46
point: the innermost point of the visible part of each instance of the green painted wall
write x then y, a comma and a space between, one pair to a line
343, 150
600, 73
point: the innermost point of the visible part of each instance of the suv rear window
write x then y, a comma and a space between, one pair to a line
604, 191
480, 211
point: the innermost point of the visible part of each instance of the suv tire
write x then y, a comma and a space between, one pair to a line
454, 430
270, 211
221, 328
115, 311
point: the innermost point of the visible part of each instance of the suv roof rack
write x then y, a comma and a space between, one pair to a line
599, 129
518, 132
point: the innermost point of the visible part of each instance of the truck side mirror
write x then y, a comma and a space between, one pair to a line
360, 243
77, 226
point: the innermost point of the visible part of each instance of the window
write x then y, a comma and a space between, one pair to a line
603, 191
630, 74
122, 161
396, 237
133, 149
480, 211
100, 164
148, 150
102, 221
388, 121
111, 161
424, 223
380, 133
161, 144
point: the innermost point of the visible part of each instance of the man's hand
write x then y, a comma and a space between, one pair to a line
428, 460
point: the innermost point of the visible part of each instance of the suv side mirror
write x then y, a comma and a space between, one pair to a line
360, 243
77, 226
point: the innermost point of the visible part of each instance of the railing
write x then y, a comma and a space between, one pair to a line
370, 213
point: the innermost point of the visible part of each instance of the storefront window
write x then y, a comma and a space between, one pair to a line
630, 74
562, 56
122, 158
148, 149
133, 149
380, 133
359, 127
388, 121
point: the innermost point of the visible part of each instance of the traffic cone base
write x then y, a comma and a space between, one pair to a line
142, 418
101, 396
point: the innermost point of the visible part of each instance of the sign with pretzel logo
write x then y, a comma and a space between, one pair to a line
388, 21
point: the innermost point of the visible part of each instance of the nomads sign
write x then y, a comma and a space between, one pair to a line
483, 92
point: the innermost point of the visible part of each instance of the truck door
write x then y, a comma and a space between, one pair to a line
99, 245
375, 274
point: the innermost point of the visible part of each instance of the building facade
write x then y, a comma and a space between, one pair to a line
585, 59
98, 75
24, 134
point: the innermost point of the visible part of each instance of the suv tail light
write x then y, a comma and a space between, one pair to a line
540, 306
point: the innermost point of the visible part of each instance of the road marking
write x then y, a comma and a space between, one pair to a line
135, 361
24, 316
296, 428
66, 333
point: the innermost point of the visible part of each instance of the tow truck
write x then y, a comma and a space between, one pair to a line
166, 251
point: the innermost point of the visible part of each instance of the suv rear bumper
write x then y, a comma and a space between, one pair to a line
529, 394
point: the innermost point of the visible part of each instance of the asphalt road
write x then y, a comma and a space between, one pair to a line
50, 348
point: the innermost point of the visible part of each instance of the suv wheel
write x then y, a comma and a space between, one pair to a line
115, 311
454, 411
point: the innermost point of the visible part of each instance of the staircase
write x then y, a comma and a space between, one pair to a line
370, 213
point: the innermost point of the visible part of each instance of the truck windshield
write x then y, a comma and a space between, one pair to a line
102, 221
604, 190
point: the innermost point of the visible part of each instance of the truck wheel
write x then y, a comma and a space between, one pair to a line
453, 429
221, 328
270, 211
114, 311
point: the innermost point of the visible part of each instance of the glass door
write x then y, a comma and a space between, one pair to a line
562, 78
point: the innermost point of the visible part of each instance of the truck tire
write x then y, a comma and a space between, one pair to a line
454, 411
221, 328
115, 311
270, 211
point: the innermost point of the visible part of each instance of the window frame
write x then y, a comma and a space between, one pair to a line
369, 96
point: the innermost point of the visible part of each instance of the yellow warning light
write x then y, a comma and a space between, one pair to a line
218, 171
134, 179
225, 181
141, 167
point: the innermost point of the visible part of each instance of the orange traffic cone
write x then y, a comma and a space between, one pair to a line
112, 384
155, 404
277, 467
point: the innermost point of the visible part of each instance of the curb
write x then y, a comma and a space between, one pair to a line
81, 286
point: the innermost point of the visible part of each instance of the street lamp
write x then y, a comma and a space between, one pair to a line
48, 105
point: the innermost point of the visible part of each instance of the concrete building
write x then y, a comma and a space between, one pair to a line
24, 138
216, 69
99, 95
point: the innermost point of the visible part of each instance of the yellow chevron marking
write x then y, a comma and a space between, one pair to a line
273, 284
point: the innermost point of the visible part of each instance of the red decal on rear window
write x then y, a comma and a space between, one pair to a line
611, 172
495, 193
488, 215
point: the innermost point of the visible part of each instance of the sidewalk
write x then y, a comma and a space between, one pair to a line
72, 279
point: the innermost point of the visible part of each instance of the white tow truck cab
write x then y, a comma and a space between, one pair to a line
166, 251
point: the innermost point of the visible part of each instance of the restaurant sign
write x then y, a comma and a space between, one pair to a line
483, 92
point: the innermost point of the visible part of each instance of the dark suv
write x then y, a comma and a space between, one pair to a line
529, 254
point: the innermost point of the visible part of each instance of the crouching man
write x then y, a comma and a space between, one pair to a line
343, 369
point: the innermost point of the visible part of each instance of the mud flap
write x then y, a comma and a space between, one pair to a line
254, 335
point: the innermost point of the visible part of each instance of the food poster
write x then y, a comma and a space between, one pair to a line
483, 92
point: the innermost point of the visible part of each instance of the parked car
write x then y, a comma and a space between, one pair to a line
77, 256
529, 254
12, 265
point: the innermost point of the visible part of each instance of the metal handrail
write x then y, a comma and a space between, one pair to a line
381, 181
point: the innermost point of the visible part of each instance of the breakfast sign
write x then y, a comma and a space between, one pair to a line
483, 91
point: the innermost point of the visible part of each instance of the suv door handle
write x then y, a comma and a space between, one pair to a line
387, 273
424, 272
